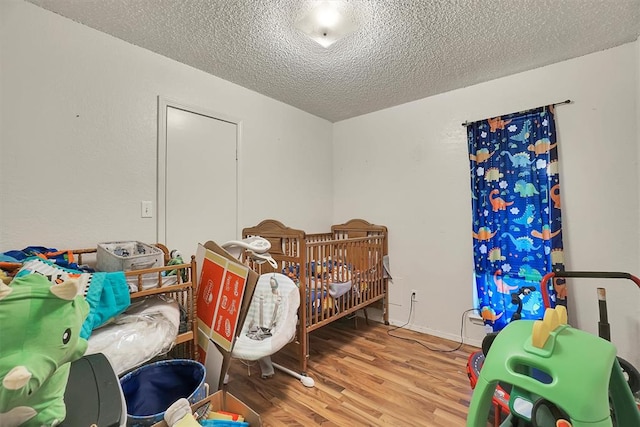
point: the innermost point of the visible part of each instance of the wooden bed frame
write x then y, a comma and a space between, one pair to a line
183, 291
351, 251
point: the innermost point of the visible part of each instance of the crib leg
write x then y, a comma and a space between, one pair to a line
304, 350
366, 316
385, 304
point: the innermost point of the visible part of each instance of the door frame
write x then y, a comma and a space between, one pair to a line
161, 194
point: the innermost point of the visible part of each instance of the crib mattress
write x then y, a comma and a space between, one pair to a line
147, 329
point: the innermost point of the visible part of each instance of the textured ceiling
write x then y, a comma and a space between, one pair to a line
404, 50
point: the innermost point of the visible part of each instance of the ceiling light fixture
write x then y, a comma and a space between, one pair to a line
326, 22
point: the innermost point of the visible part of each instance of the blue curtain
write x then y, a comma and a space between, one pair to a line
517, 229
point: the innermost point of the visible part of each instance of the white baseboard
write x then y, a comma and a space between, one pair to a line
446, 335
376, 316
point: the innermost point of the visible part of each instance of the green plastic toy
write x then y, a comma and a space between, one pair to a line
39, 337
561, 377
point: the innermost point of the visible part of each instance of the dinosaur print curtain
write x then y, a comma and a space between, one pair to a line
517, 234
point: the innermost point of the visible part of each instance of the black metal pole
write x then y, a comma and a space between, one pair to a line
604, 329
568, 101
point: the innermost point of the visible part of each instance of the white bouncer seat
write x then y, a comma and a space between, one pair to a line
270, 324
261, 314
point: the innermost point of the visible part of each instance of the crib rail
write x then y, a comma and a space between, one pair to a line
336, 264
183, 291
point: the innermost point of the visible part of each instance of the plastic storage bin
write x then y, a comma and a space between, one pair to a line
124, 256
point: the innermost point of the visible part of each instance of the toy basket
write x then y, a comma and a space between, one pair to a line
151, 389
125, 256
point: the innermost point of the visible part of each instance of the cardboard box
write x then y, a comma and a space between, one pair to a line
225, 289
223, 401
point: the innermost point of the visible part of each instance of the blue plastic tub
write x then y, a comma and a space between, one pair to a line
151, 389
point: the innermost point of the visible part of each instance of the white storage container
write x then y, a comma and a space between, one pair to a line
125, 256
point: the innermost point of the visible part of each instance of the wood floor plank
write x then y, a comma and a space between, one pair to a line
364, 377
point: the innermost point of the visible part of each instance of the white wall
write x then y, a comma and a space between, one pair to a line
78, 137
407, 167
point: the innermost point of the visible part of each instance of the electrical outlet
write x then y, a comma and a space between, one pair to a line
414, 295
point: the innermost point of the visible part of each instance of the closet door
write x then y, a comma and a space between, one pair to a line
199, 183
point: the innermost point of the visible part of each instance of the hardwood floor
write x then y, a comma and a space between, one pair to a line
363, 377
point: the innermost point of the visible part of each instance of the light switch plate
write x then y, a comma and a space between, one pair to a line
146, 209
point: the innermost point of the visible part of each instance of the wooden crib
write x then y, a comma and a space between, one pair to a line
183, 291
338, 273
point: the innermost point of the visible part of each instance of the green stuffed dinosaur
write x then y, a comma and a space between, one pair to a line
39, 338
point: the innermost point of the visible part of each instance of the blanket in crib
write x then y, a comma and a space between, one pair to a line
106, 293
335, 275
64, 259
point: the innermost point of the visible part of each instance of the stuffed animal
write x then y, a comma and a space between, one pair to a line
176, 259
40, 336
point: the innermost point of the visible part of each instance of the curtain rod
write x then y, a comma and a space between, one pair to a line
568, 101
